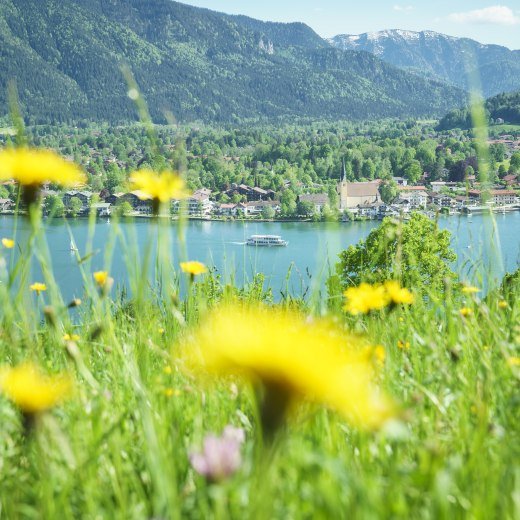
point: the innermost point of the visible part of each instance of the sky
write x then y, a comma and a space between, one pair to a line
481, 20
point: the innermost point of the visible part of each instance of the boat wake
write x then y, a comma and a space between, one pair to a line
238, 243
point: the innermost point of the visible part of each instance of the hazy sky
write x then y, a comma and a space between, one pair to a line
484, 21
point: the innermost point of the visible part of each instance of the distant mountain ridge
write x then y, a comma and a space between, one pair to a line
65, 56
437, 55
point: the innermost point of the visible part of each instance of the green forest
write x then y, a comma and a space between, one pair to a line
504, 108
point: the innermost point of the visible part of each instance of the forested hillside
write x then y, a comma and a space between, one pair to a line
502, 108
65, 57
455, 60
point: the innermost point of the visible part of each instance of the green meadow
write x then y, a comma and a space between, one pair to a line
117, 439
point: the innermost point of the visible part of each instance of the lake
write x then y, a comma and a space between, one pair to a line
486, 247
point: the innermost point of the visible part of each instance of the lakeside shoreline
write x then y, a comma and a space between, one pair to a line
480, 210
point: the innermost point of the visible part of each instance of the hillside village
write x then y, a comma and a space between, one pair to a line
337, 173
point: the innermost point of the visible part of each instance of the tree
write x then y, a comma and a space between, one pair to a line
124, 208
75, 206
288, 202
388, 191
268, 213
413, 171
502, 171
416, 252
329, 214
53, 205
305, 209
497, 151
514, 166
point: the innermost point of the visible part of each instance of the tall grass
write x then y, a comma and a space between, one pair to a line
119, 448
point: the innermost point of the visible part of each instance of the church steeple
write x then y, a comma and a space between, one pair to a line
343, 171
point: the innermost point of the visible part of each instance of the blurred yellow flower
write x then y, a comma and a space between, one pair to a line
171, 392
161, 187
160, 330
34, 167
292, 358
167, 369
38, 287
469, 289
101, 277
380, 354
8, 243
70, 337
466, 311
403, 345
398, 294
365, 298
502, 304
513, 361
193, 268
31, 391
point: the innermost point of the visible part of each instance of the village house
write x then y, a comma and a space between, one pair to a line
114, 198
102, 209
371, 211
199, 203
256, 207
251, 193
442, 201
227, 209
319, 200
511, 179
84, 196
139, 200
497, 197
415, 196
400, 181
6, 205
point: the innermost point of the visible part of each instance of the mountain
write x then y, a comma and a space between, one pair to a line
65, 56
505, 107
443, 57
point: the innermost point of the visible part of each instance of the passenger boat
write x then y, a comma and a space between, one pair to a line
266, 240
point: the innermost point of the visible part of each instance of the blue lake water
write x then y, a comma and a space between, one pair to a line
486, 247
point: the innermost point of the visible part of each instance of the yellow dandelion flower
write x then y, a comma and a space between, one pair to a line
101, 278
38, 287
8, 243
365, 298
160, 330
161, 187
31, 391
502, 304
469, 289
193, 268
293, 358
380, 354
466, 311
167, 370
398, 294
172, 392
70, 337
403, 345
34, 167
513, 361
